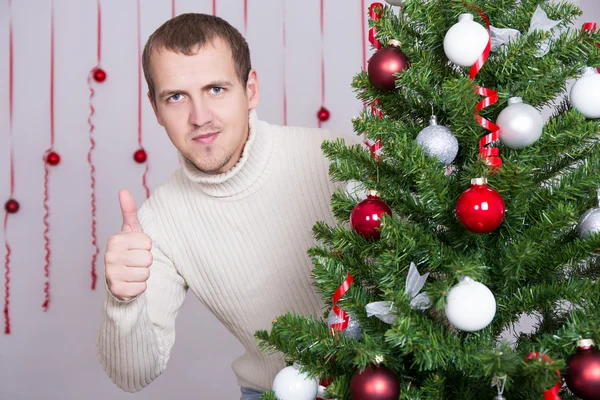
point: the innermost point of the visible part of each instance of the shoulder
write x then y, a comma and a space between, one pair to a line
305, 137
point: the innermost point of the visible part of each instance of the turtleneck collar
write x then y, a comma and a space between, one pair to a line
248, 170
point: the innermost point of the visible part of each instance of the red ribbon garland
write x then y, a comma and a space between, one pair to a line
12, 172
139, 43
552, 393
375, 147
337, 295
375, 17
91, 150
490, 154
284, 40
591, 26
46, 303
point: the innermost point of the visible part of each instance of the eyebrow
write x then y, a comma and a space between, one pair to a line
210, 85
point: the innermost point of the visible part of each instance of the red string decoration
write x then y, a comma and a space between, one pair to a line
490, 154
172, 8
51, 158
284, 38
11, 206
343, 315
94, 75
140, 155
323, 113
214, 7
552, 393
245, 16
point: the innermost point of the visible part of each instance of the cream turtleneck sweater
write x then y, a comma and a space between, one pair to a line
239, 242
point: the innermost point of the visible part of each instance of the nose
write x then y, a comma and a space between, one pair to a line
201, 113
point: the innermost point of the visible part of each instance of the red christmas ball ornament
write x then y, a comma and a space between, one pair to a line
140, 156
583, 371
99, 75
480, 208
384, 64
374, 383
365, 218
53, 158
11, 206
323, 114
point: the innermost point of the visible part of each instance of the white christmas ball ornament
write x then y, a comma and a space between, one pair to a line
290, 384
520, 124
585, 93
465, 41
470, 305
399, 3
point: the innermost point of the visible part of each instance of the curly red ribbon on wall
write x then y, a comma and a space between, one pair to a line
11, 206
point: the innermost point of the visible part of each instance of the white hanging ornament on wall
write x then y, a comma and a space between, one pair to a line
520, 124
290, 384
465, 41
438, 141
585, 93
589, 223
470, 305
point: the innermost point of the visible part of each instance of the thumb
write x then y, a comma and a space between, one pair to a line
131, 223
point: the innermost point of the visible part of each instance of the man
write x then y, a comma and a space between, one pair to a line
233, 224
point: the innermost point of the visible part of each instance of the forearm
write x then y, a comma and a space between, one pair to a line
127, 345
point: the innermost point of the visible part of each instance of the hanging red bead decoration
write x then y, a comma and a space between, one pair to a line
53, 158
99, 75
11, 206
140, 156
323, 114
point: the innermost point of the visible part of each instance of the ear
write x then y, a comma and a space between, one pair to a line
153, 103
253, 90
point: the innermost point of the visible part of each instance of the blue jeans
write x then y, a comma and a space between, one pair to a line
250, 394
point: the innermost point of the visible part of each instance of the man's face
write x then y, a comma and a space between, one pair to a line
202, 104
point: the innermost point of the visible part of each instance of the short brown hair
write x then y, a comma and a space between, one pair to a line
187, 33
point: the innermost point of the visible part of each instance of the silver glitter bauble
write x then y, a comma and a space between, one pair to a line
438, 141
589, 223
499, 397
399, 3
354, 330
520, 124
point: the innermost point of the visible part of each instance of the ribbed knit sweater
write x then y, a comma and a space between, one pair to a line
239, 242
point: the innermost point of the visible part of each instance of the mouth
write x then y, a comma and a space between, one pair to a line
206, 138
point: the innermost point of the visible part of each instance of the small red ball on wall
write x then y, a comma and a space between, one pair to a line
53, 158
140, 156
323, 114
99, 75
11, 206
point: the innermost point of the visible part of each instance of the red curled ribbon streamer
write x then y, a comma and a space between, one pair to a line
374, 16
552, 393
337, 295
490, 154
591, 26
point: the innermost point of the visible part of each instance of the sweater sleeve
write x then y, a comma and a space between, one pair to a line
135, 337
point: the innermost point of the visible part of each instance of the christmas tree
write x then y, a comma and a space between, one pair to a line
485, 212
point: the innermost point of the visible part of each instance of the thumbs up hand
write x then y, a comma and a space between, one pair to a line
127, 259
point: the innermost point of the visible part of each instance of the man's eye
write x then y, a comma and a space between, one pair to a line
217, 90
175, 97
